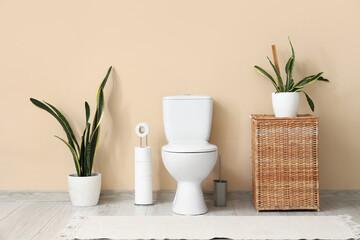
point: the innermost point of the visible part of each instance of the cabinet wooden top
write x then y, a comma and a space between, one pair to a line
272, 117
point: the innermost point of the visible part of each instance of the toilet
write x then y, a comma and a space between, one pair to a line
188, 156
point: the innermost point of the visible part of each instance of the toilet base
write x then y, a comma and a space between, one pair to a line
189, 199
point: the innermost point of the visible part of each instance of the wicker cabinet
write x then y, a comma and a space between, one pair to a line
285, 172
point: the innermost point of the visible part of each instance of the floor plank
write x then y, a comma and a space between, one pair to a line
28, 219
160, 208
124, 208
56, 224
6, 208
31, 196
219, 211
354, 206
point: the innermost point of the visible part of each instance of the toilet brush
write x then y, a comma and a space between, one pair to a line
220, 189
219, 167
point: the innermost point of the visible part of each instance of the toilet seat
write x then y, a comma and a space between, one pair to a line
189, 147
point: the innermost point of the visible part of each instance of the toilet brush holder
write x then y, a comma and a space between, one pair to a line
220, 189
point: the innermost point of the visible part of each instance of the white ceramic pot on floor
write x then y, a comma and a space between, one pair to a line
84, 191
285, 104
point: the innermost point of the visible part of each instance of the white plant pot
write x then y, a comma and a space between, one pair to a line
84, 191
285, 104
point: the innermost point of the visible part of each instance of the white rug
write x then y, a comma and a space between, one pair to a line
208, 227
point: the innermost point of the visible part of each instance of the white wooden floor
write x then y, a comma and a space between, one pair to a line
41, 215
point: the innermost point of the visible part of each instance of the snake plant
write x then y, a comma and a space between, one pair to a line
289, 85
83, 154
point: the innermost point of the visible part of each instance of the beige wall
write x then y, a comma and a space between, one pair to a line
59, 51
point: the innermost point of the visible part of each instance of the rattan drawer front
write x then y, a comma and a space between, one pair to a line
285, 162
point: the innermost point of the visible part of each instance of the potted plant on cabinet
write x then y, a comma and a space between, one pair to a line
84, 186
285, 100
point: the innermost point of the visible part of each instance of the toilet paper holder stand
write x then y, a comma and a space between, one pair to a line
142, 130
146, 141
143, 168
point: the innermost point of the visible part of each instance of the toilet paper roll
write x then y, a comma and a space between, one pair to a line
143, 154
143, 176
146, 128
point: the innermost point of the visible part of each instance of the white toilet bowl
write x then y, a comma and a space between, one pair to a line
188, 156
189, 170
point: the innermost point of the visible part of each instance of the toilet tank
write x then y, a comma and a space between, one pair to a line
187, 117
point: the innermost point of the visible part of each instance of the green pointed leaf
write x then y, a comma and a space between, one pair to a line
94, 143
323, 79
102, 85
87, 133
289, 80
42, 106
87, 111
95, 121
264, 73
287, 72
100, 104
67, 126
287, 66
88, 160
296, 89
309, 101
99, 112
85, 151
67, 129
278, 75
73, 152
82, 154
308, 80
301, 83
291, 84
291, 65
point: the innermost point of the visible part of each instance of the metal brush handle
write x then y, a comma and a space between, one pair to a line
220, 167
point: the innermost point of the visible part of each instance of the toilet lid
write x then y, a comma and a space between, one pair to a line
189, 147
